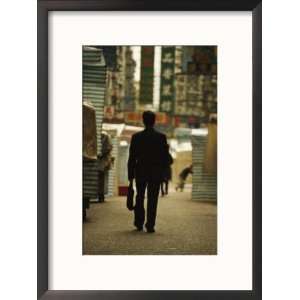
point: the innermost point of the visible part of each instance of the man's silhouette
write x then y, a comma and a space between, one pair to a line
148, 157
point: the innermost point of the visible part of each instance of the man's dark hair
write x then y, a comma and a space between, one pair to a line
149, 118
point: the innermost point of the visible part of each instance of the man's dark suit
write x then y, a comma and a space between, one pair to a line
148, 157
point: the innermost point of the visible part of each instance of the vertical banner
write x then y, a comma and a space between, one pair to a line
147, 75
167, 79
129, 88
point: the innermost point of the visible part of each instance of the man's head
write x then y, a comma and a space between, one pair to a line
149, 118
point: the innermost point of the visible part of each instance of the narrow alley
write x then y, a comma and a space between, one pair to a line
183, 227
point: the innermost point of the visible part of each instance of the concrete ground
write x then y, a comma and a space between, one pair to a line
182, 226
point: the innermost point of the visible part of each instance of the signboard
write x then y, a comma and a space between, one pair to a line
187, 56
133, 117
196, 95
109, 112
200, 60
147, 75
167, 79
187, 121
137, 118
129, 88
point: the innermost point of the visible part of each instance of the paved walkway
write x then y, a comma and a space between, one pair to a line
183, 227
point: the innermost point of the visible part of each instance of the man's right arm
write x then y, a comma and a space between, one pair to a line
132, 159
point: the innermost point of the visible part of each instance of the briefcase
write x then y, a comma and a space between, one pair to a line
130, 196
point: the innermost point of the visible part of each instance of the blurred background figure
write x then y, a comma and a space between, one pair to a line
183, 176
167, 176
105, 162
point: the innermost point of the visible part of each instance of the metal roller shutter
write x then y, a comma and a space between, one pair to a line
204, 184
94, 91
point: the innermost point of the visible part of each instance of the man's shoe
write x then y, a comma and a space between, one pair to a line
139, 228
150, 230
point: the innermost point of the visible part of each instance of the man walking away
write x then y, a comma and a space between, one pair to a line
183, 176
148, 158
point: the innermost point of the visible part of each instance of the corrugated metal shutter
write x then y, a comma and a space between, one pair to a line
94, 84
94, 89
90, 179
204, 185
112, 174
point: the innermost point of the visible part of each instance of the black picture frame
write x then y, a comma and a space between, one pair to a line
42, 160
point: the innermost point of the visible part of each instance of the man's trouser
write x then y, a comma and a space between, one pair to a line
152, 198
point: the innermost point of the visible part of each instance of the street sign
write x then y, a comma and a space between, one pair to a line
147, 75
167, 79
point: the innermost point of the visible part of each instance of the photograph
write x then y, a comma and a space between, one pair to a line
149, 150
